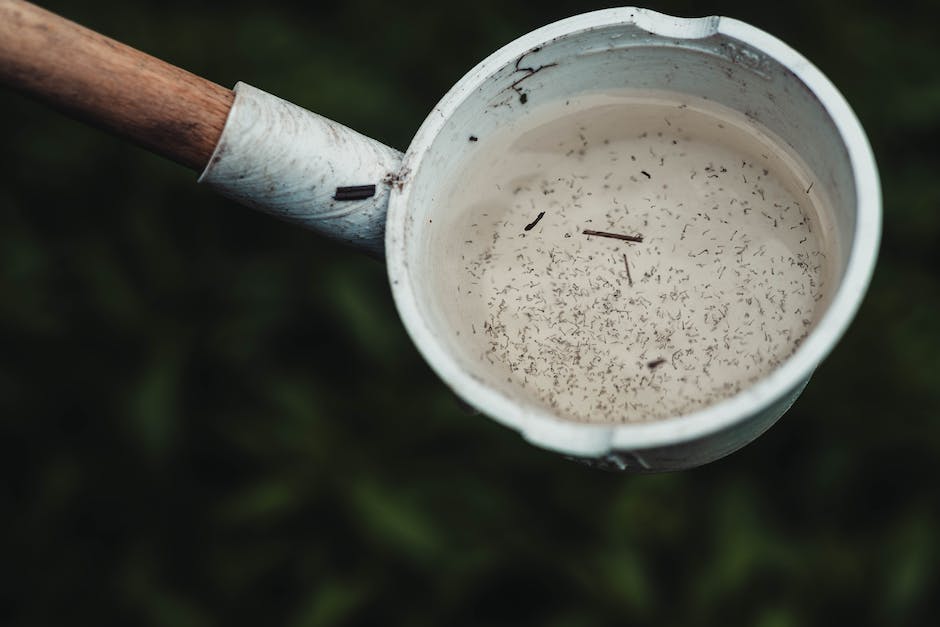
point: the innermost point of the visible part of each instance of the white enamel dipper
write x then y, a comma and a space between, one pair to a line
272, 155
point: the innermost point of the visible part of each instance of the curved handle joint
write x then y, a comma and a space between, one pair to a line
301, 167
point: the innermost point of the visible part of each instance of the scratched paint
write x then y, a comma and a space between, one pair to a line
730, 276
303, 168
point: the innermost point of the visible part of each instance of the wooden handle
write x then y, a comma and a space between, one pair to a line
157, 105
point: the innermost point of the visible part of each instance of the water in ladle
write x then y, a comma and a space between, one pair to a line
728, 279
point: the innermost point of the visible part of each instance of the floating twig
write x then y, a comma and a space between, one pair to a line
626, 238
627, 266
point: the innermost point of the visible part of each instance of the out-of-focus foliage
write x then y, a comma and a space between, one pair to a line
208, 417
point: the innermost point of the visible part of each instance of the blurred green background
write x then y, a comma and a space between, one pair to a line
208, 417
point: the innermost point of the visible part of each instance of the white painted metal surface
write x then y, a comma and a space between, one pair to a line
289, 162
723, 59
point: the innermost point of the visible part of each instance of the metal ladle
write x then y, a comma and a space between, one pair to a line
277, 157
